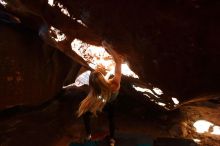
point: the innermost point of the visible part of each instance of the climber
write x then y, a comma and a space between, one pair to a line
103, 93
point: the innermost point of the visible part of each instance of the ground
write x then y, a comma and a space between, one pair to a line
55, 123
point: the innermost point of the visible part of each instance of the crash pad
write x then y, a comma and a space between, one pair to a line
122, 139
88, 143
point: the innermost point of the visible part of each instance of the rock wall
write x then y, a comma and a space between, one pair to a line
31, 72
174, 44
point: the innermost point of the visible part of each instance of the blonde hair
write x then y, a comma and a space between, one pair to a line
98, 96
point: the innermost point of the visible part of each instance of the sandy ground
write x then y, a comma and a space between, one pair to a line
55, 124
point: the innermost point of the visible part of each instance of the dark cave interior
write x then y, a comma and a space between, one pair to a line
170, 85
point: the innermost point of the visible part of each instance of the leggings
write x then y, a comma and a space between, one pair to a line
109, 108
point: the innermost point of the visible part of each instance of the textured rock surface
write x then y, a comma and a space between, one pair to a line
174, 44
56, 125
31, 72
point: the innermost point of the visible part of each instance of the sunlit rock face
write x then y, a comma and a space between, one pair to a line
30, 71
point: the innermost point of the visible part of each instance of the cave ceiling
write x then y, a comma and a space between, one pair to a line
172, 45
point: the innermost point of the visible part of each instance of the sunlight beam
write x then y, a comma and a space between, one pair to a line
2, 2
175, 100
59, 36
202, 126
216, 130
98, 56
51, 2
82, 79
